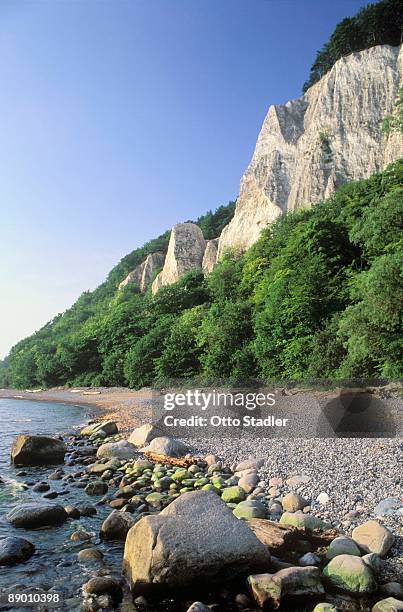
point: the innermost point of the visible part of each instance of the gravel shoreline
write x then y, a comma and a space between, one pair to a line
356, 474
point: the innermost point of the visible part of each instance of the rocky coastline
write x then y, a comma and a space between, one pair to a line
196, 532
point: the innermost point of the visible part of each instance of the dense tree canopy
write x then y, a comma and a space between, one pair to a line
374, 24
319, 295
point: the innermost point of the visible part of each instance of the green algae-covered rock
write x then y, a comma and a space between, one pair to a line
218, 482
233, 495
162, 484
350, 574
188, 482
302, 520
250, 508
210, 487
324, 607
200, 482
155, 499
180, 475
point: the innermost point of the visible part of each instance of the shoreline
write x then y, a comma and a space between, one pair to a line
341, 482
120, 404
132, 408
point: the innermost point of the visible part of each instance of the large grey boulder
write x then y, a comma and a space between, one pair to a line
109, 428
15, 550
119, 450
31, 516
167, 446
37, 450
195, 538
185, 253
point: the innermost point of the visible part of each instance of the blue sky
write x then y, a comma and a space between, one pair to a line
120, 118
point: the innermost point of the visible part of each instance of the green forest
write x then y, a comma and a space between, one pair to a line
375, 24
318, 296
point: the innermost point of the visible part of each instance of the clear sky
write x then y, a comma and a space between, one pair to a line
120, 118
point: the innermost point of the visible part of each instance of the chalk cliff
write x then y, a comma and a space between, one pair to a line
143, 273
185, 253
308, 147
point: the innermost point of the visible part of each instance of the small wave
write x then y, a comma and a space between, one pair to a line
22, 420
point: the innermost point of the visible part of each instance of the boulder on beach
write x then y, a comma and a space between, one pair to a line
15, 550
249, 509
388, 507
116, 525
350, 574
109, 428
37, 450
372, 537
233, 495
250, 464
144, 435
269, 590
32, 516
96, 487
116, 450
89, 555
302, 520
198, 606
194, 539
167, 446
388, 605
342, 545
248, 482
292, 502
104, 585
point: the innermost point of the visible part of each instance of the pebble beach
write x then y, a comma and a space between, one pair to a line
340, 483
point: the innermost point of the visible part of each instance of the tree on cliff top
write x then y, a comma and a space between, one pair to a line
374, 24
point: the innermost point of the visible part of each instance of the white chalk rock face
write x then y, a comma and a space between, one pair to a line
308, 147
142, 275
185, 253
134, 277
153, 262
210, 255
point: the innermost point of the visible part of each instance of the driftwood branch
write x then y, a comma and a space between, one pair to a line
284, 538
183, 462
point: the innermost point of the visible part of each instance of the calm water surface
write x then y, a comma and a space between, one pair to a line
54, 566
